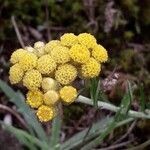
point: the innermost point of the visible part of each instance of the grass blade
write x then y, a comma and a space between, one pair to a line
142, 98
25, 138
120, 115
55, 136
18, 99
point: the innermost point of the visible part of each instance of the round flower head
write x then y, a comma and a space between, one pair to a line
28, 61
79, 53
49, 84
29, 49
65, 74
46, 64
35, 98
39, 48
100, 53
68, 39
15, 74
87, 40
68, 94
51, 45
45, 113
51, 97
32, 79
60, 54
17, 55
90, 69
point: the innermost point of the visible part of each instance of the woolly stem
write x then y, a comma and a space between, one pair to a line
111, 107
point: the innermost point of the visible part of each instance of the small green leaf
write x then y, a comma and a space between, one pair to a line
142, 98
55, 136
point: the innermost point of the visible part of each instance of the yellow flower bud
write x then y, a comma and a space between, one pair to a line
45, 113
17, 55
79, 53
49, 84
46, 64
90, 69
51, 97
32, 79
35, 98
100, 53
87, 40
39, 48
69, 39
65, 74
51, 45
68, 94
15, 74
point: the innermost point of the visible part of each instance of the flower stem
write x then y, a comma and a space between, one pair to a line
111, 107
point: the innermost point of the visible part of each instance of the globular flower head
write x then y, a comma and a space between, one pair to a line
51, 97
39, 48
35, 98
100, 53
28, 61
46, 64
60, 54
90, 69
49, 84
45, 113
79, 53
29, 49
17, 55
68, 94
51, 45
65, 74
15, 74
87, 40
32, 79
69, 39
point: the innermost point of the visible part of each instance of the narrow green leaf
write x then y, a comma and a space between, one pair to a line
94, 90
55, 136
120, 115
18, 99
78, 138
25, 138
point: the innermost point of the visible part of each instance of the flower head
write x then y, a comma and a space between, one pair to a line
49, 84
17, 55
28, 61
65, 74
87, 40
46, 64
32, 79
29, 49
60, 54
15, 74
69, 39
51, 45
51, 97
39, 48
79, 53
90, 69
45, 113
100, 53
68, 94
35, 98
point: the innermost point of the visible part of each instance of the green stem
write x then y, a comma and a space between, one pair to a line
112, 107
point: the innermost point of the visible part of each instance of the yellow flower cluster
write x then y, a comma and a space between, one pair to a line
48, 70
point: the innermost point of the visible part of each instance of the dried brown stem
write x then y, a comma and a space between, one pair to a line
17, 31
14, 113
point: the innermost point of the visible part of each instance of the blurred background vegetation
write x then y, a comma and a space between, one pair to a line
122, 26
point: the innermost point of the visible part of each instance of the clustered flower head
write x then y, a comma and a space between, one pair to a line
49, 70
